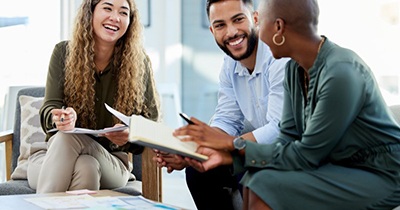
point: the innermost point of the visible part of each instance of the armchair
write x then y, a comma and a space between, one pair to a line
148, 175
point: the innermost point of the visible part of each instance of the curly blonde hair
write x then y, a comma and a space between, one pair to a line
130, 61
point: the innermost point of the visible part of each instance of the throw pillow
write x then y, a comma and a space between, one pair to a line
31, 132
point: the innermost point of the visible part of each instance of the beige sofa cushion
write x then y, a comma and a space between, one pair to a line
31, 132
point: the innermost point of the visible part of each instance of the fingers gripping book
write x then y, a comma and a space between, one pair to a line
156, 135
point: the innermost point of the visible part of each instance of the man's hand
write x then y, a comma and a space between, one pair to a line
170, 161
205, 135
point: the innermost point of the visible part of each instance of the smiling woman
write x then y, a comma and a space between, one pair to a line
104, 61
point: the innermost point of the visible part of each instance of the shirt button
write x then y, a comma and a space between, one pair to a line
253, 162
263, 162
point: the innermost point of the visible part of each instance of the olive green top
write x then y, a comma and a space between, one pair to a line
105, 88
344, 113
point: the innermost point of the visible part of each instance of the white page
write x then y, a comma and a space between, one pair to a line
125, 119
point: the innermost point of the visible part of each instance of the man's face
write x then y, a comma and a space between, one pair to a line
233, 28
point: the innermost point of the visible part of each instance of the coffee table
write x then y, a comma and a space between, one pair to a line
13, 202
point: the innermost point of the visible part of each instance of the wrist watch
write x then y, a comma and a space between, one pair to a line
239, 143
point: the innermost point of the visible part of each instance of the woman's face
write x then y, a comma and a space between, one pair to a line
110, 20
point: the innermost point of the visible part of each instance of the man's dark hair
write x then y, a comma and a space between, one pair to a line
210, 2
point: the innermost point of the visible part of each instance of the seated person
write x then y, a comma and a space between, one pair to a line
250, 98
104, 62
338, 147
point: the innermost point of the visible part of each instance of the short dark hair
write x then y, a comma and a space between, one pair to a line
210, 2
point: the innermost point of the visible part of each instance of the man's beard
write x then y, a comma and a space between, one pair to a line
251, 44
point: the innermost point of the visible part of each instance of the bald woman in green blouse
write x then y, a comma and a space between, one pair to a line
339, 146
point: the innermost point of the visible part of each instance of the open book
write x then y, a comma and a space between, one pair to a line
159, 136
156, 135
147, 133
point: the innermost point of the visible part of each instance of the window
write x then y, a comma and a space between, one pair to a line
28, 32
371, 29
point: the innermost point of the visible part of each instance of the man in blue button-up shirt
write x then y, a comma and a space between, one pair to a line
250, 97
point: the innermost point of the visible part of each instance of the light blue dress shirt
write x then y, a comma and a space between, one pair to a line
256, 98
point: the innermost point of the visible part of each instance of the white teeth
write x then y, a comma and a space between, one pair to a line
236, 42
111, 27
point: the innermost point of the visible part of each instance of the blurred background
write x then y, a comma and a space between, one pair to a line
183, 52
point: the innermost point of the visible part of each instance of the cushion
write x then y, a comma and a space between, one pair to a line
31, 132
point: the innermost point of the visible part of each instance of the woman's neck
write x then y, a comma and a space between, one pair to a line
308, 52
102, 57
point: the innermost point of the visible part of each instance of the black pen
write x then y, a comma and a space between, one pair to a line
62, 115
186, 118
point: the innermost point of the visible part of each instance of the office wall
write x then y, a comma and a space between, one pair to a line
202, 60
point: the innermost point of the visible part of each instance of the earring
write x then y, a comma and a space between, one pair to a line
276, 43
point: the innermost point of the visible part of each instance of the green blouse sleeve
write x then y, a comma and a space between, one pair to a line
54, 94
338, 100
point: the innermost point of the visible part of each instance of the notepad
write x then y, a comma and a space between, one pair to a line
156, 135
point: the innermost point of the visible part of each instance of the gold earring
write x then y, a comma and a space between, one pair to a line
276, 43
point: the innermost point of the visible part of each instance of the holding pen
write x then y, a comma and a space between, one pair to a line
62, 115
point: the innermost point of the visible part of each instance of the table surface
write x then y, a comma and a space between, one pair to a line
13, 202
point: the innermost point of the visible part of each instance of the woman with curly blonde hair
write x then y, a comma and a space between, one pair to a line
104, 62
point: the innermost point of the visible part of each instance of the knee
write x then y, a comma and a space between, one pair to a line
61, 140
265, 182
87, 167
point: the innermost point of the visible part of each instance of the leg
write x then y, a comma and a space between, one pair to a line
255, 202
86, 174
59, 165
328, 187
211, 189
35, 161
245, 198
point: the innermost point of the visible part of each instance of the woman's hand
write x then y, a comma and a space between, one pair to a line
64, 119
215, 158
119, 138
204, 135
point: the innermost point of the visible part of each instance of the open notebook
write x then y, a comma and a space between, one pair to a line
156, 135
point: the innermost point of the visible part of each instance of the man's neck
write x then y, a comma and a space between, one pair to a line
250, 62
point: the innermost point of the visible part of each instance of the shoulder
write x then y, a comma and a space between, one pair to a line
61, 48
342, 61
62, 44
229, 62
228, 66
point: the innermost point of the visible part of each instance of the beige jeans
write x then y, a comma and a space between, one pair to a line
75, 162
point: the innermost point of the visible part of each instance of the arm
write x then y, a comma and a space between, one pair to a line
267, 133
151, 95
227, 118
54, 93
341, 89
228, 115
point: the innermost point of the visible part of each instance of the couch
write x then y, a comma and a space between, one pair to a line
148, 175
